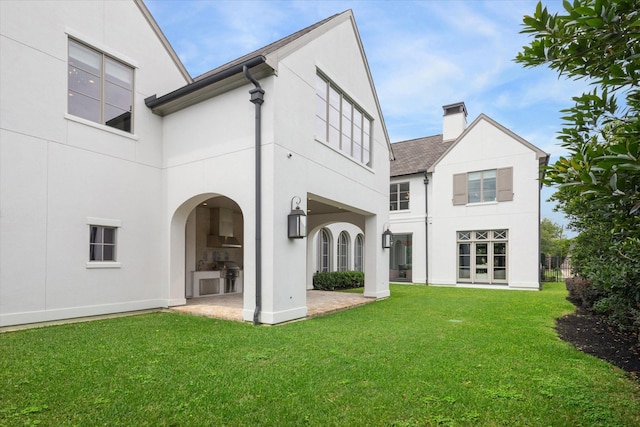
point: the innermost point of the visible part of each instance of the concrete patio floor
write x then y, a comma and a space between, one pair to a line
229, 307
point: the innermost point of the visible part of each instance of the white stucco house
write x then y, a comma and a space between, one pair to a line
126, 184
465, 206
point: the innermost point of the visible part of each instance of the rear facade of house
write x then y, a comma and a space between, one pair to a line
127, 184
465, 206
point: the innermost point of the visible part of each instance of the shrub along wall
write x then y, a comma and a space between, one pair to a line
330, 281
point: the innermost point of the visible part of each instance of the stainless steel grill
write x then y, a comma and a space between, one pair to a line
231, 271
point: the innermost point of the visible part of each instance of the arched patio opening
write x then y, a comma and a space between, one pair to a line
207, 248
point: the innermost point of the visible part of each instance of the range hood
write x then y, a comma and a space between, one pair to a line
222, 242
221, 229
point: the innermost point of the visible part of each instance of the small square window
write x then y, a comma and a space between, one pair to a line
399, 196
102, 243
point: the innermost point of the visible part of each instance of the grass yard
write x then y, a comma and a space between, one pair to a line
425, 356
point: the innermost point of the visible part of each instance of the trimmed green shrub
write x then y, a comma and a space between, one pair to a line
330, 281
582, 292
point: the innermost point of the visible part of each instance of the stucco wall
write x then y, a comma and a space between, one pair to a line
487, 147
57, 170
209, 148
412, 221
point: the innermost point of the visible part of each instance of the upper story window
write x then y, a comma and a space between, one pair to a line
399, 196
341, 123
492, 185
100, 89
481, 186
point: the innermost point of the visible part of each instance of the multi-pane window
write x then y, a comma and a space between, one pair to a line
359, 253
341, 123
481, 186
399, 196
100, 89
324, 250
482, 256
492, 185
343, 252
102, 243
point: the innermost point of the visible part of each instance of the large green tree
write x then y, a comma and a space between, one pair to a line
552, 240
599, 180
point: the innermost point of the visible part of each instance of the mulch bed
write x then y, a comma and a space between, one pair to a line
593, 334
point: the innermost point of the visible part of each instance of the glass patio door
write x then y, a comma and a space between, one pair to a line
482, 256
400, 258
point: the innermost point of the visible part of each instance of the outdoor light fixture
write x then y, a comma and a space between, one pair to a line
297, 220
386, 238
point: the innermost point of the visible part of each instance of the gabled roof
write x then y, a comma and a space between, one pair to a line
417, 155
540, 155
268, 49
264, 62
163, 40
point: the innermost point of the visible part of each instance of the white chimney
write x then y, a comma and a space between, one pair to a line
454, 121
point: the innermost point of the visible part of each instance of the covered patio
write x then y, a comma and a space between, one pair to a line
229, 306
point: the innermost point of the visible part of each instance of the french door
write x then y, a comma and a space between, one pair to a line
482, 256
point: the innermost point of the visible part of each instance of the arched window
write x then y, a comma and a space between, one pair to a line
324, 250
343, 251
359, 255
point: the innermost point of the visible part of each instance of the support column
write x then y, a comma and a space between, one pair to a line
376, 260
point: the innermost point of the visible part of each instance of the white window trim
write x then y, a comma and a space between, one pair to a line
101, 47
117, 56
104, 222
359, 238
329, 250
490, 240
97, 125
397, 184
369, 168
343, 252
482, 179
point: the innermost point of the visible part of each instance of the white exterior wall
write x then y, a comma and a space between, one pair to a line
315, 168
209, 149
56, 170
487, 147
412, 221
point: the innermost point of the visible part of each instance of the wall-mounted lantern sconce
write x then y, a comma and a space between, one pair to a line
297, 220
386, 238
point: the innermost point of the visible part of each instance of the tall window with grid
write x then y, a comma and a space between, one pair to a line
340, 123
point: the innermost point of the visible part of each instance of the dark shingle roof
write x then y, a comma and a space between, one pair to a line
417, 155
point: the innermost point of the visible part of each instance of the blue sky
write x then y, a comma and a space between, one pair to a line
422, 54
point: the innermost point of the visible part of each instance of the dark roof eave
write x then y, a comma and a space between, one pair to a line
153, 102
400, 175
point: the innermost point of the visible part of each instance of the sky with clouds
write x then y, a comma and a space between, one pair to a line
423, 54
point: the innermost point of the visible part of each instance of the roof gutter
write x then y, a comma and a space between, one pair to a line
153, 102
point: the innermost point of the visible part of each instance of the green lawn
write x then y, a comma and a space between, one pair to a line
425, 356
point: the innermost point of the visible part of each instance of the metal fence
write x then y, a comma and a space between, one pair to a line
555, 268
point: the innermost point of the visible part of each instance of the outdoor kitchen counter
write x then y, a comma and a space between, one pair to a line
196, 276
